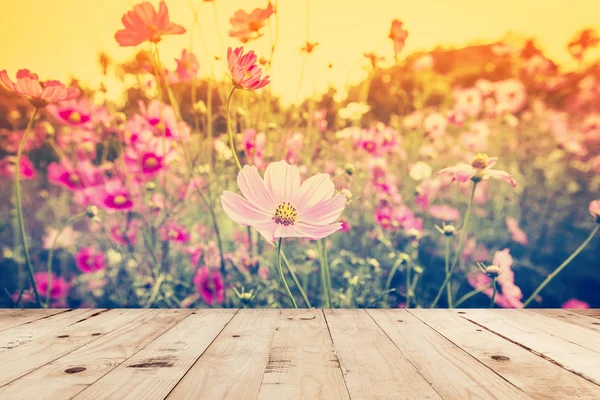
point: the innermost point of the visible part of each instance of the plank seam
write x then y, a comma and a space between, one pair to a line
543, 356
37, 319
583, 313
469, 354
336, 356
403, 354
262, 378
200, 356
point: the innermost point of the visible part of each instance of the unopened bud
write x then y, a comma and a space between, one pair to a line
200, 107
449, 230
350, 169
150, 186
92, 212
492, 271
418, 269
311, 254
47, 128
347, 194
14, 116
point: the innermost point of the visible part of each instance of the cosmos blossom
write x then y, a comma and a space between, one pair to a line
38, 93
209, 284
245, 73
480, 169
510, 295
246, 26
279, 206
89, 260
187, 66
516, 233
26, 169
594, 209
398, 35
58, 286
575, 303
145, 24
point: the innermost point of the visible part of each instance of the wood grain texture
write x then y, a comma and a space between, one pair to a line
155, 370
568, 355
234, 364
71, 374
571, 317
302, 362
590, 313
23, 359
14, 317
452, 372
373, 366
536, 376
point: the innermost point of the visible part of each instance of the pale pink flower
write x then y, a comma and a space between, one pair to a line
246, 26
444, 212
509, 295
479, 170
174, 232
468, 102
209, 284
435, 126
187, 66
515, 232
39, 94
574, 303
144, 23
245, 73
594, 209
398, 35
67, 238
279, 206
510, 96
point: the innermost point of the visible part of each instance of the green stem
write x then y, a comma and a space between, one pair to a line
495, 286
393, 271
155, 290
281, 276
461, 243
69, 221
561, 266
447, 268
408, 289
469, 295
296, 281
230, 131
20, 207
325, 273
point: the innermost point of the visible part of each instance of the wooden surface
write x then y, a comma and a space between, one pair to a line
299, 354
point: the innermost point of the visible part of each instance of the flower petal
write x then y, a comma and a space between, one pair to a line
241, 211
315, 232
324, 212
253, 188
282, 180
500, 175
317, 188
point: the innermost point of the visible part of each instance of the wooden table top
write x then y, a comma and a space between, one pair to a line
299, 354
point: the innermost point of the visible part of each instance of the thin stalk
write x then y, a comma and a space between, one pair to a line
495, 286
561, 266
447, 268
296, 281
229, 131
69, 221
461, 243
287, 288
325, 273
393, 271
408, 289
19, 205
469, 295
155, 290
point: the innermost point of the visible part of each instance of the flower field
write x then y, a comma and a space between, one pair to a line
463, 177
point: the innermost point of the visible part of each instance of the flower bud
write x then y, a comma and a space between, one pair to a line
492, 271
347, 194
449, 230
373, 263
150, 186
47, 128
350, 169
92, 213
418, 269
200, 107
311, 254
14, 116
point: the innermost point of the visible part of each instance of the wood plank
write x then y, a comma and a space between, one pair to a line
302, 362
234, 364
536, 376
569, 355
574, 318
592, 312
452, 372
69, 375
155, 370
577, 335
373, 367
14, 317
19, 361
23, 334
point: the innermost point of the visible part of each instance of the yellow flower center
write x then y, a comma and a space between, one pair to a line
285, 214
151, 162
119, 200
75, 117
74, 179
480, 161
160, 126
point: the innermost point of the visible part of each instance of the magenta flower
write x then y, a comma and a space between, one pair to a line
479, 170
79, 112
510, 295
89, 260
595, 210
281, 207
245, 73
26, 169
246, 26
574, 303
59, 288
145, 24
209, 284
39, 94
174, 232
515, 232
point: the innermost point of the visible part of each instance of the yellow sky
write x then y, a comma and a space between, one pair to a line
62, 37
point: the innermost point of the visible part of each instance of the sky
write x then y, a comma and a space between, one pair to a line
62, 38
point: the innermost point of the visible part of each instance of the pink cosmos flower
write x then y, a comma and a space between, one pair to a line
174, 232
116, 196
254, 145
510, 96
574, 303
59, 288
26, 169
281, 207
124, 235
187, 66
595, 209
144, 23
435, 126
515, 232
510, 295
245, 73
39, 94
89, 260
80, 112
162, 121
345, 226
67, 238
398, 35
246, 26
444, 212
479, 170
209, 284
468, 102
74, 178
